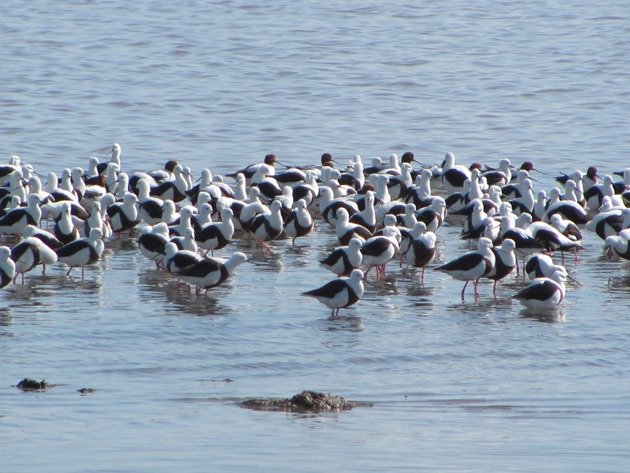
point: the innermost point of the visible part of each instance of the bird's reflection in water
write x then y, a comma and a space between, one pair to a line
266, 260
181, 298
550, 316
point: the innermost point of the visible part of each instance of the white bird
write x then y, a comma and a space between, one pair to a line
344, 258
211, 272
339, 293
544, 293
81, 252
299, 223
7, 266
471, 266
16, 220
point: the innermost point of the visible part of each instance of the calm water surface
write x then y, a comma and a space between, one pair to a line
456, 386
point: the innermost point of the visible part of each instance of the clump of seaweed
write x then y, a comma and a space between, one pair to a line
306, 401
30, 384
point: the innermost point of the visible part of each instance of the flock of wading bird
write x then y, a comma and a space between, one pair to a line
379, 212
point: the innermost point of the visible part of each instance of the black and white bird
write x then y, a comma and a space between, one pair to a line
299, 223
344, 258
609, 223
86, 194
202, 217
420, 193
346, 230
39, 239
15, 221
453, 175
552, 239
96, 220
502, 175
152, 242
26, 256
525, 242
505, 262
184, 222
64, 229
328, 205
249, 171
596, 193
307, 190
248, 212
210, 272
433, 216
175, 260
544, 293
150, 209
542, 266
186, 241
566, 227
567, 208
216, 235
471, 266
35, 186
525, 203
7, 266
378, 250
44, 236
421, 249
81, 252
263, 179
618, 244
175, 189
123, 217
339, 293
367, 216
267, 227
115, 150
6, 170
475, 223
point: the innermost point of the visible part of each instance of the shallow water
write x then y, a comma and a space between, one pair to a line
456, 386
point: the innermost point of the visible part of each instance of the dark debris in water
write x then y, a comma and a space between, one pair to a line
86, 390
29, 384
306, 401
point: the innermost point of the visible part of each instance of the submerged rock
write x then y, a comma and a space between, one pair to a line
306, 401
29, 384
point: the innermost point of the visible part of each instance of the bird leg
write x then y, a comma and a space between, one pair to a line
264, 246
465, 284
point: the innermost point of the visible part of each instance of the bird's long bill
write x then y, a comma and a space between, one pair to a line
608, 252
282, 164
367, 282
575, 281
106, 149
